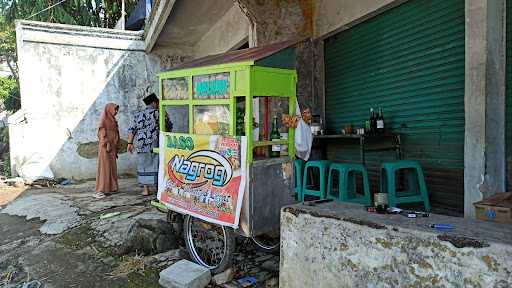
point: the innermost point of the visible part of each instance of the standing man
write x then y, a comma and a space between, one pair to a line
143, 137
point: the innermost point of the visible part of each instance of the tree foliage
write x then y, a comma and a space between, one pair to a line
7, 37
9, 93
95, 13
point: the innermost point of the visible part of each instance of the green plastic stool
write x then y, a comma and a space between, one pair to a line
323, 167
298, 168
417, 191
347, 183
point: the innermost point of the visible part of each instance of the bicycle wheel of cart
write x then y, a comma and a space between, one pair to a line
209, 245
267, 243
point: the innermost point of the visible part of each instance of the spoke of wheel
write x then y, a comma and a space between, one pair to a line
208, 244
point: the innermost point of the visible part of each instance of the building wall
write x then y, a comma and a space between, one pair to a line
230, 31
275, 21
67, 75
333, 15
171, 57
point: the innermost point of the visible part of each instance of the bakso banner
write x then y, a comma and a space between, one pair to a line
203, 176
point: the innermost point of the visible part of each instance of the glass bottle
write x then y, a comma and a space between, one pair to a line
275, 150
380, 121
373, 121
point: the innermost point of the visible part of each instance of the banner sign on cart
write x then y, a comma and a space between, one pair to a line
203, 176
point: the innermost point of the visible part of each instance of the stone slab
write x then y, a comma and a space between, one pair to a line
342, 245
185, 274
58, 213
484, 231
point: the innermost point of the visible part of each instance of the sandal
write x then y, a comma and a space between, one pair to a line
98, 195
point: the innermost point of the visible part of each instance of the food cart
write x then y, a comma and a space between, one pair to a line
216, 175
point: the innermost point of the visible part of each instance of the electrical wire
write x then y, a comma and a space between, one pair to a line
45, 9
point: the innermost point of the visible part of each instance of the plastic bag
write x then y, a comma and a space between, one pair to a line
303, 138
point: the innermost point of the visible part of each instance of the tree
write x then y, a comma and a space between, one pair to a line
9, 93
94, 13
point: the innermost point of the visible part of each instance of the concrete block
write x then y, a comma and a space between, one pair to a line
185, 274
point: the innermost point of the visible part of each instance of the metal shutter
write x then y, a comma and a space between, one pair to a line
509, 94
409, 60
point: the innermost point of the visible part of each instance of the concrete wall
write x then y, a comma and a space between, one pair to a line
484, 155
230, 31
334, 245
335, 15
67, 75
274, 21
170, 57
157, 19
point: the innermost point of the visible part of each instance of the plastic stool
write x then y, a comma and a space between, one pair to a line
347, 183
417, 191
323, 167
298, 169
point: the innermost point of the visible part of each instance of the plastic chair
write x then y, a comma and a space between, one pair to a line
347, 183
413, 174
307, 185
298, 166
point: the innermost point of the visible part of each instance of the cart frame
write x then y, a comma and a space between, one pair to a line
247, 80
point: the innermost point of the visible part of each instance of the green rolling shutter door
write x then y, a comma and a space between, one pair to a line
409, 60
509, 94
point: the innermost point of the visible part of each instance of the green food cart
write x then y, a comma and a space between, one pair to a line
216, 175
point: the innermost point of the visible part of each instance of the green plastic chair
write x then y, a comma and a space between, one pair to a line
298, 167
413, 173
347, 183
307, 186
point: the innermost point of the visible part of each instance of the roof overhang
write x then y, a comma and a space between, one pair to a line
181, 25
157, 19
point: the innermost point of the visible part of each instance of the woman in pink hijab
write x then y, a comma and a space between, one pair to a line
109, 145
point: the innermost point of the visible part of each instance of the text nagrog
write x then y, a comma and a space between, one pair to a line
219, 174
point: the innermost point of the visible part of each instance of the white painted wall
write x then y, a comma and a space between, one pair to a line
67, 75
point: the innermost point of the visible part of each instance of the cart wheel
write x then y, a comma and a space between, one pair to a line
209, 245
267, 243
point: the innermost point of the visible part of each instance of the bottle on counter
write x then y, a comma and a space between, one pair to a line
275, 150
380, 122
373, 122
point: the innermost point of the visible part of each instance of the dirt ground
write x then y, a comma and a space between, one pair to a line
57, 237
8, 194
